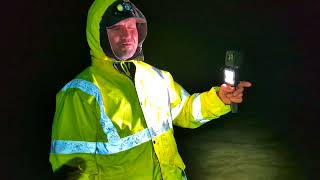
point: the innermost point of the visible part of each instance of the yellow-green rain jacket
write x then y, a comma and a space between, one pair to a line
107, 126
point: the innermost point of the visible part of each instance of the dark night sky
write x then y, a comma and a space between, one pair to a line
44, 47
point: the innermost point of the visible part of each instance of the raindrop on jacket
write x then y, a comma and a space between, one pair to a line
108, 126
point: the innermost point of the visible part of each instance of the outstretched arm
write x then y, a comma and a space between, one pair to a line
191, 111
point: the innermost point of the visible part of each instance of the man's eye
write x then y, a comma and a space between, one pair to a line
114, 28
132, 27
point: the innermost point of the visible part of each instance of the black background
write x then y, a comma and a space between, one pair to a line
44, 46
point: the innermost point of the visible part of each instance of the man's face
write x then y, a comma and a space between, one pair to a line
123, 38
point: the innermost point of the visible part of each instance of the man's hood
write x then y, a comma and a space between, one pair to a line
105, 13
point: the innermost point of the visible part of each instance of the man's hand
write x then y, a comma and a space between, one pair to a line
229, 94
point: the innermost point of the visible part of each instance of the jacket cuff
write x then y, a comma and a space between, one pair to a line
215, 106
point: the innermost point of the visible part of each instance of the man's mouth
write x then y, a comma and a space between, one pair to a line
127, 43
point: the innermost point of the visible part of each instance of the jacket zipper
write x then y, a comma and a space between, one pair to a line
133, 83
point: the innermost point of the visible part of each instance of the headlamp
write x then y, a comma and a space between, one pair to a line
120, 7
124, 7
119, 11
127, 6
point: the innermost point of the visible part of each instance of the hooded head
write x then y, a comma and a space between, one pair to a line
103, 17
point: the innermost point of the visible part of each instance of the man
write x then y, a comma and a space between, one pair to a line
115, 119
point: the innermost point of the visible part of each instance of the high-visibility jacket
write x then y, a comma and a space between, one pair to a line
107, 126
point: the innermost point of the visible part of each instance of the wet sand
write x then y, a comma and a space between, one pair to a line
241, 147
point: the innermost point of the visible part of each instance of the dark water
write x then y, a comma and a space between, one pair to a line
241, 148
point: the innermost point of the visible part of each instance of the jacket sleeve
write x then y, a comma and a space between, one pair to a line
191, 111
74, 133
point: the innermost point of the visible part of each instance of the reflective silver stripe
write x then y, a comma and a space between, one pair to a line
124, 143
115, 144
196, 109
71, 147
176, 110
93, 90
155, 132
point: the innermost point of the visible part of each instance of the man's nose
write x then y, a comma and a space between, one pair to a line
125, 33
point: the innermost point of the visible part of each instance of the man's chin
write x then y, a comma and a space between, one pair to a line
125, 56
